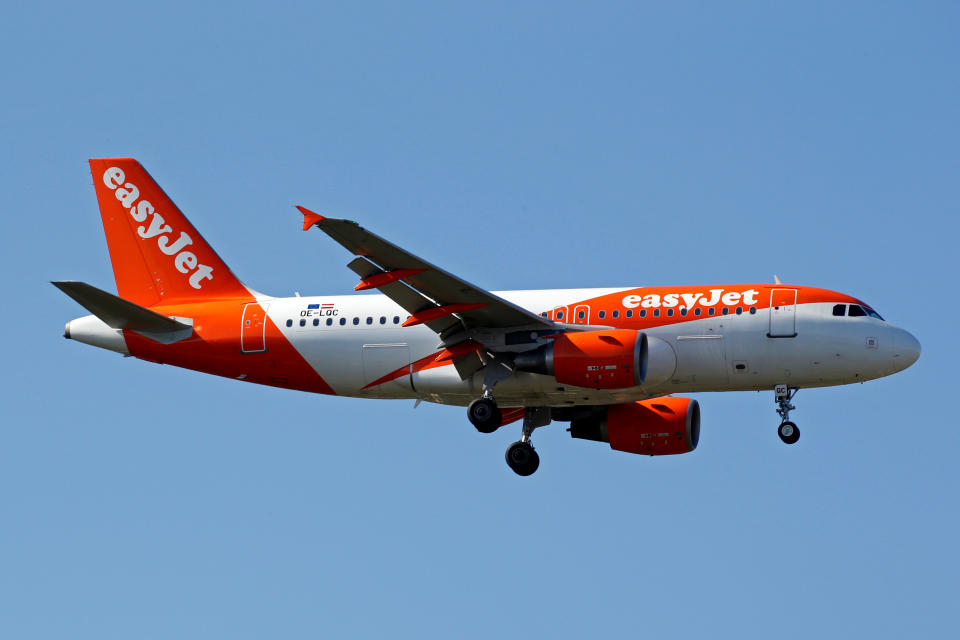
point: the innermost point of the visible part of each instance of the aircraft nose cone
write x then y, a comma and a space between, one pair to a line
906, 349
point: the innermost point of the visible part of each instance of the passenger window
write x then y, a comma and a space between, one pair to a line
857, 311
712, 311
396, 319
670, 313
725, 311
559, 315
383, 320
643, 313
580, 315
839, 309
343, 321
601, 314
316, 322
356, 321
629, 313
329, 321
303, 322
656, 313
369, 320
739, 310
616, 313
753, 310
697, 311
683, 312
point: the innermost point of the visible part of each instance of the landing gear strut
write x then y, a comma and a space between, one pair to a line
521, 456
787, 430
483, 412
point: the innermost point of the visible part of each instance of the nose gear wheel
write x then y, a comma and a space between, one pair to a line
788, 431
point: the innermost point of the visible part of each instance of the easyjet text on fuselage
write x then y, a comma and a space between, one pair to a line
688, 300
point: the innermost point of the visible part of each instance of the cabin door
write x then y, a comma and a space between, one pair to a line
783, 313
253, 328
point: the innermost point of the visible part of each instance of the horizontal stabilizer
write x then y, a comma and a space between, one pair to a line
118, 313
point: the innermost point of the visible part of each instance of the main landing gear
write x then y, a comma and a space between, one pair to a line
484, 414
521, 456
787, 430
487, 418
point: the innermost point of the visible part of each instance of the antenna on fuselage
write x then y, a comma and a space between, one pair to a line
776, 279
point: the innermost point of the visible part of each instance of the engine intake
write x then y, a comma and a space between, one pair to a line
657, 427
614, 359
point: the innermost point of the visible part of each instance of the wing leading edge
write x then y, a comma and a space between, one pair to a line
431, 295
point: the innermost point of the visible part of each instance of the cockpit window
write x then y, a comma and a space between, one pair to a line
855, 311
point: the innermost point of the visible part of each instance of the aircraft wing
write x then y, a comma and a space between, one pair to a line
431, 296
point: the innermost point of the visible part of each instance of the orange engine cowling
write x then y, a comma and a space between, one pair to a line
614, 359
657, 427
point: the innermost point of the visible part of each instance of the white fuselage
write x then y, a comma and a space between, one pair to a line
365, 340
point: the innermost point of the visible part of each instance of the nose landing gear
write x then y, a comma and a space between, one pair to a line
787, 430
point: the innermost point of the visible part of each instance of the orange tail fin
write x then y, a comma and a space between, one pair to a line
157, 255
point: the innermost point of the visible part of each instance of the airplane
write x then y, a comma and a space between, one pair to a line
610, 362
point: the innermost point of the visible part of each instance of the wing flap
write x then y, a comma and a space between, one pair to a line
412, 301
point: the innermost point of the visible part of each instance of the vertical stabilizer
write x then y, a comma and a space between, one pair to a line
158, 256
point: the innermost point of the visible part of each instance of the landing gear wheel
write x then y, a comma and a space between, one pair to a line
522, 458
788, 432
484, 415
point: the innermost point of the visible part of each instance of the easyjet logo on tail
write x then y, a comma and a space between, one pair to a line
184, 261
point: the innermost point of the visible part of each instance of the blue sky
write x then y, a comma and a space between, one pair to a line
519, 145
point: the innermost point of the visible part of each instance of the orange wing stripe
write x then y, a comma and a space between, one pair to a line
457, 350
439, 312
382, 279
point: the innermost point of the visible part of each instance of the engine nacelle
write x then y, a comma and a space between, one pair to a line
657, 427
614, 359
